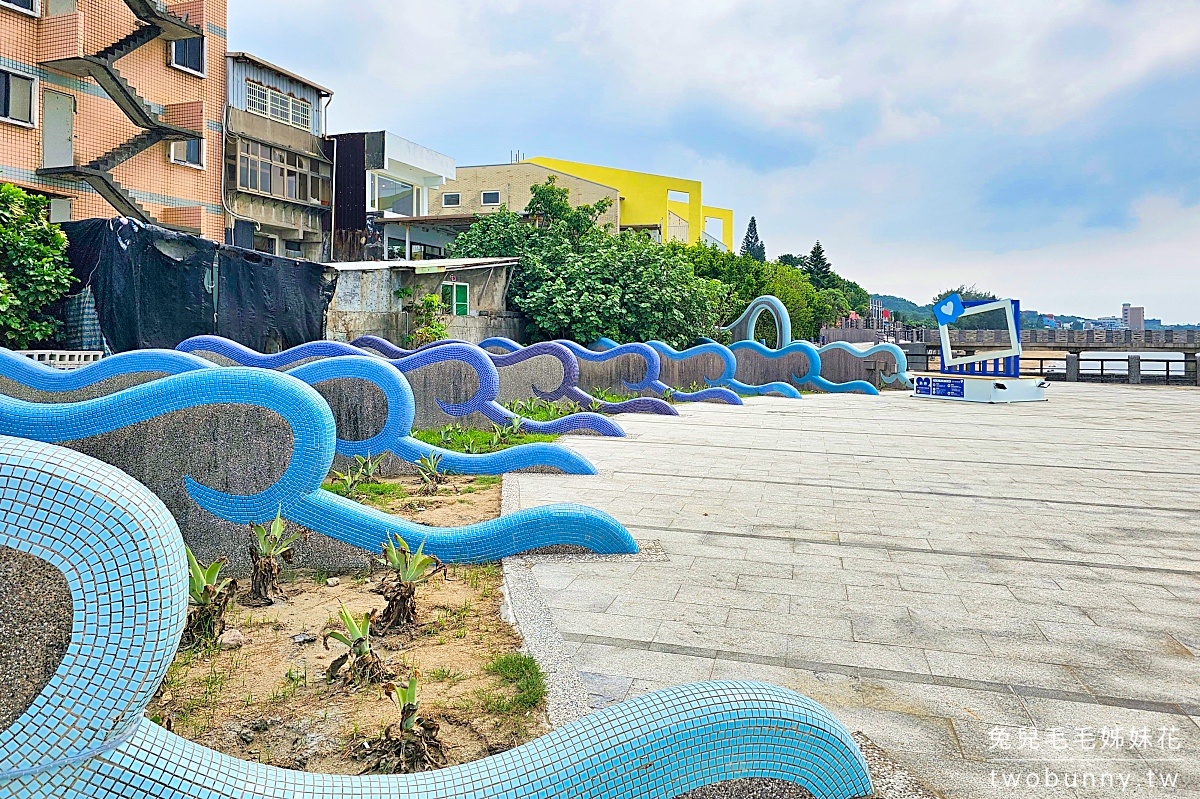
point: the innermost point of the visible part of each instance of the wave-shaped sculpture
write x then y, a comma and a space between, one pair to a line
901, 374
514, 353
395, 430
742, 332
649, 381
25, 379
296, 492
123, 560
482, 402
742, 328
729, 368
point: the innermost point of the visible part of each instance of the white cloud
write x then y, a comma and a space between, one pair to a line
1038, 62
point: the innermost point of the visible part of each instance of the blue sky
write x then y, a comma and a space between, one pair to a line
1045, 150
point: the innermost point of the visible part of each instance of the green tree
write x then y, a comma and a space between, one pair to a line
34, 272
991, 320
818, 270
576, 280
787, 259
551, 203
751, 244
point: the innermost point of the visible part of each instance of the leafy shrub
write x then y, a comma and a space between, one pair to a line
34, 272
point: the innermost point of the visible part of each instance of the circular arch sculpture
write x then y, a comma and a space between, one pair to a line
742, 328
123, 560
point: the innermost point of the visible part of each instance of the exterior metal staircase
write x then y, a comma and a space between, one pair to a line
101, 67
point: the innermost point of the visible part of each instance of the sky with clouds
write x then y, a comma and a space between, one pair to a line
1043, 149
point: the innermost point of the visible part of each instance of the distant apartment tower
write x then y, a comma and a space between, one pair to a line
278, 165
113, 107
1133, 317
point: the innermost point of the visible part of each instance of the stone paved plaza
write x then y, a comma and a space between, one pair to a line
947, 578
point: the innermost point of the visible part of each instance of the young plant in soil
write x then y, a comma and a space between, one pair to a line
361, 473
364, 665
407, 746
208, 597
407, 570
429, 467
266, 546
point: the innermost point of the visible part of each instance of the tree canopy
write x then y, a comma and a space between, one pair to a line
752, 245
34, 272
578, 280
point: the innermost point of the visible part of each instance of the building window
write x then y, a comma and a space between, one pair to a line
425, 252
451, 200
268, 102
188, 55
392, 195
30, 7
16, 98
284, 174
490, 198
265, 244
456, 298
293, 249
257, 98
189, 152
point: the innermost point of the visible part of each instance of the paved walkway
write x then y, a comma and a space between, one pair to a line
950, 579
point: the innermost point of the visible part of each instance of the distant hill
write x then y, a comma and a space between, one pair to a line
902, 305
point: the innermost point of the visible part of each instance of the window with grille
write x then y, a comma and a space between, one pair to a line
268, 102
256, 98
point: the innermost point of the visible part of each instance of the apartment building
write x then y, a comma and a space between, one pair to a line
382, 183
665, 208
278, 164
486, 189
114, 107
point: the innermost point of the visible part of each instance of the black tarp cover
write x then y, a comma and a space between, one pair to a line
154, 288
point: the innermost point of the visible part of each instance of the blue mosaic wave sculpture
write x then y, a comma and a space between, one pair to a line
514, 353
901, 374
39, 376
729, 364
127, 573
483, 402
650, 379
742, 329
297, 494
394, 437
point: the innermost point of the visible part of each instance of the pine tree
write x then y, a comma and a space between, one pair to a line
818, 270
752, 245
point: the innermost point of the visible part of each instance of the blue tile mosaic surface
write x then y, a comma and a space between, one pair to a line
297, 493
395, 438
513, 353
85, 735
484, 401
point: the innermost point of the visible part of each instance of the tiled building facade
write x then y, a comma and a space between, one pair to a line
115, 107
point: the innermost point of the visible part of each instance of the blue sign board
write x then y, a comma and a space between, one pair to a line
952, 387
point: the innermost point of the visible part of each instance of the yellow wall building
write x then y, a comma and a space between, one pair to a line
672, 207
